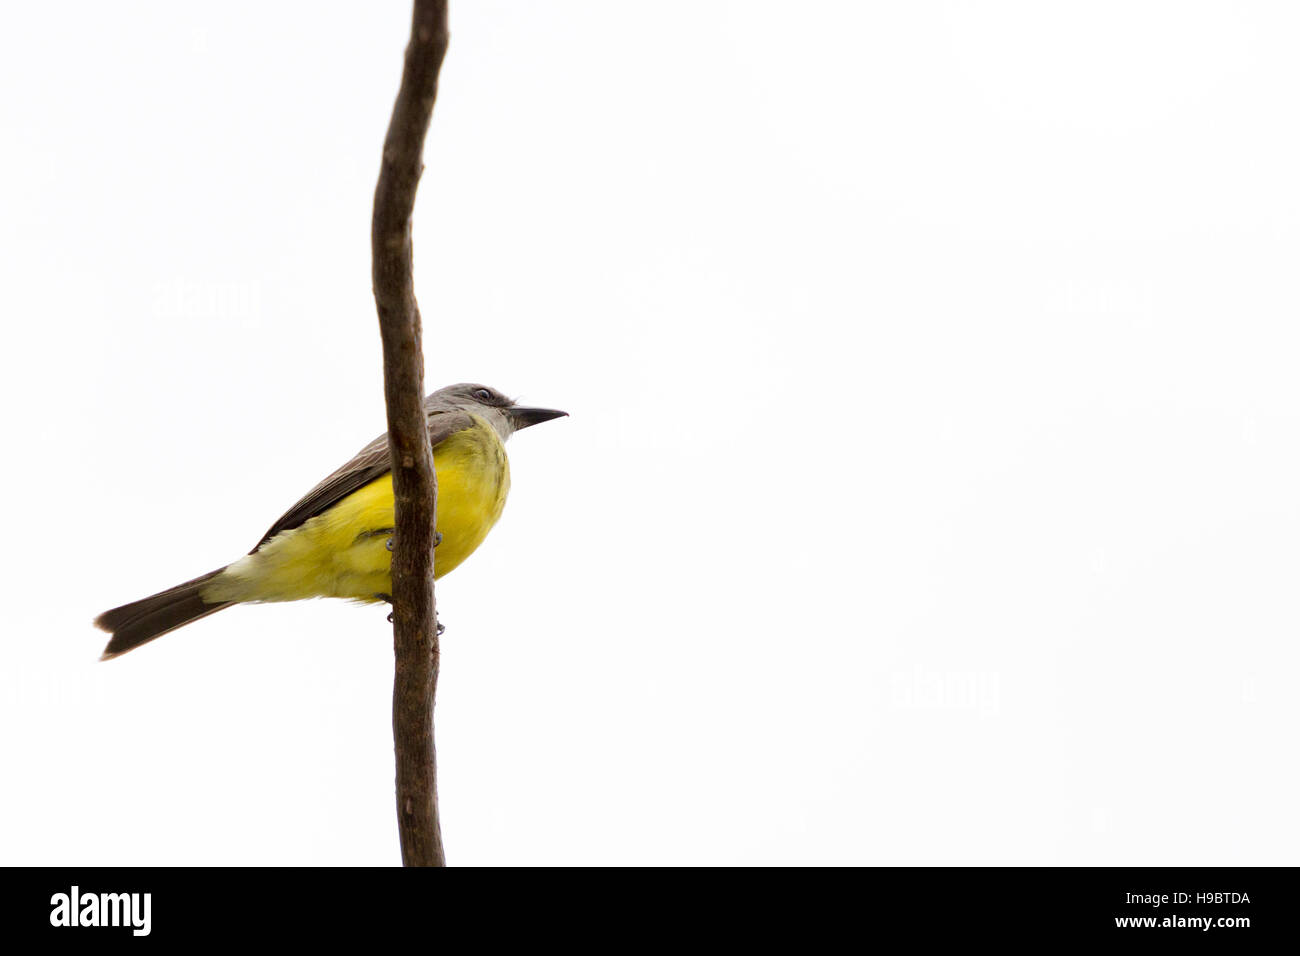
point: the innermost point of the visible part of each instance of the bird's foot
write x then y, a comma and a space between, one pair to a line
388, 599
437, 540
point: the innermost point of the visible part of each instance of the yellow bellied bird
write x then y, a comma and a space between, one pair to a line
337, 541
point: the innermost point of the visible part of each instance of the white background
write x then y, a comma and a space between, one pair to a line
930, 490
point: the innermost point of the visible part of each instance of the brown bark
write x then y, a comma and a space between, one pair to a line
415, 634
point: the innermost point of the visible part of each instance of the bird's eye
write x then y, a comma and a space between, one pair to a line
483, 395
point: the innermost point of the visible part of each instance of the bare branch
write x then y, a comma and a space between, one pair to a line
415, 634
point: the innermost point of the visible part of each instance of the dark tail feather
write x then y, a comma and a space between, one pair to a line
141, 621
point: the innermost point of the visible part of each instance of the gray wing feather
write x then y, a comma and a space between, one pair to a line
365, 466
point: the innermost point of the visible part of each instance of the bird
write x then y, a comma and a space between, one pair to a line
337, 540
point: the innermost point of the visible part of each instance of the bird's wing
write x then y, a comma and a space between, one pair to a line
368, 464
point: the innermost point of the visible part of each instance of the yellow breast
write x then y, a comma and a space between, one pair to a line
343, 552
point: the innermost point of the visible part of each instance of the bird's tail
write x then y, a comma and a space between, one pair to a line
141, 621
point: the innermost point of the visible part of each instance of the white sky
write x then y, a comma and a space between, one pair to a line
930, 490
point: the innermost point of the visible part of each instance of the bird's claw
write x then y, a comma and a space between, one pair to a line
437, 540
388, 598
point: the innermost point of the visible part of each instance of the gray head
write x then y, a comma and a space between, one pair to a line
498, 410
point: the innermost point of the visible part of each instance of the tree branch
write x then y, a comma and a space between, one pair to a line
415, 634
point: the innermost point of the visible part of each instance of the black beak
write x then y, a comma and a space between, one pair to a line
524, 417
